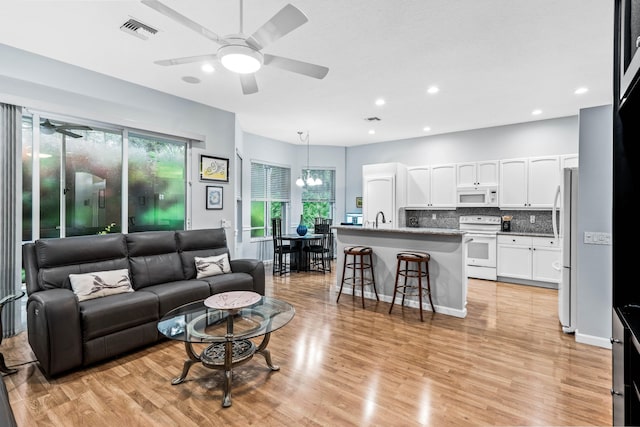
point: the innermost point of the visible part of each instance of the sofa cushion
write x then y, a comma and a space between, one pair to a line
212, 266
57, 258
100, 283
199, 243
153, 258
174, 294
230, 282
113, 313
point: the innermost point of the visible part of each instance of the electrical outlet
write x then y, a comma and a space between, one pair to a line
532, 219
433, 216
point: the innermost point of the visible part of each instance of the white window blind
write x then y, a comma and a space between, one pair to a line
270, 183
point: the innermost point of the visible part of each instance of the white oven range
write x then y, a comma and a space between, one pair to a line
480, 251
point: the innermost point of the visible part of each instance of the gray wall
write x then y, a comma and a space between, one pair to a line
595, 214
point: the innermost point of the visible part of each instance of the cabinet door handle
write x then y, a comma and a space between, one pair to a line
614, 393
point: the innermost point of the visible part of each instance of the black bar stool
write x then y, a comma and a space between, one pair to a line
420, 270
362, 261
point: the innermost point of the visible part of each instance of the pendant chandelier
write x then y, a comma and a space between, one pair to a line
306, 178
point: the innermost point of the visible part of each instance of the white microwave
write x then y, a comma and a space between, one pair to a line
483, 196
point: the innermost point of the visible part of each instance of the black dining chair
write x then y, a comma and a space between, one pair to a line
281, 252
320, 254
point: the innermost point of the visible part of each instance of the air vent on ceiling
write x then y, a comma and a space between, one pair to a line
138, 29
372, 119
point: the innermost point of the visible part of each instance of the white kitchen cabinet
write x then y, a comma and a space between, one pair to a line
475, 174
432, 187
383, 191
529, 183
528, 258
568, 161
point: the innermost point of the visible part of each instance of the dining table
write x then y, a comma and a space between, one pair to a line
300, 260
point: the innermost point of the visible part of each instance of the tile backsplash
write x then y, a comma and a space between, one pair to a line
449, 219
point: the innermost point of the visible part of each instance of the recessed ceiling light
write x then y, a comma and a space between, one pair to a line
581, 90
433, 89
208, 68
536, 112
380, 101
426, 128
371, 131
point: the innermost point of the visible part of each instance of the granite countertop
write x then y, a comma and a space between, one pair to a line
522, 233
408, 230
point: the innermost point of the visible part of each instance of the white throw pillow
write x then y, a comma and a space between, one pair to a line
212, 265
100, 284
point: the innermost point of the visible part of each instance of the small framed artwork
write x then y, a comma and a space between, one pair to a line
358, 202
214, 168
214, 197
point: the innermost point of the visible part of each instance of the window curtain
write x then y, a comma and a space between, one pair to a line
10, 214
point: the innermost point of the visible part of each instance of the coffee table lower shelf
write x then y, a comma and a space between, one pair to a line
226, 355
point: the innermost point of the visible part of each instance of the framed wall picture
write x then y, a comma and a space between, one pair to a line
214, 168
214, 197
358, 202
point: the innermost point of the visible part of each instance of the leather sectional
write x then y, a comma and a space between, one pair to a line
66, 334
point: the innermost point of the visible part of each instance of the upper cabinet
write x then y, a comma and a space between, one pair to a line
529, 183
432, 187
383, 191
476, 174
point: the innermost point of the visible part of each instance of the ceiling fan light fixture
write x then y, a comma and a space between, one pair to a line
240, 59
47, 130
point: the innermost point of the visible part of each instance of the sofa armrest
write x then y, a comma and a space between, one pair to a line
54, 330
253, 267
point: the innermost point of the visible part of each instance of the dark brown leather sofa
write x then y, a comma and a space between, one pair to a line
66, 334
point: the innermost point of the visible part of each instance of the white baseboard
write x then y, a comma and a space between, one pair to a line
592, 340
408, 303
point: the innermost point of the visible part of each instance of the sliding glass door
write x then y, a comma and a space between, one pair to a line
75, 185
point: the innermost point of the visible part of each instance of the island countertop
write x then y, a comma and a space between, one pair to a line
409, 230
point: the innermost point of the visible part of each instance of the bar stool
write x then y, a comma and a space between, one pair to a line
362, 261
421, 259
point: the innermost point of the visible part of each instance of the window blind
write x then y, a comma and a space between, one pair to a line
270, 183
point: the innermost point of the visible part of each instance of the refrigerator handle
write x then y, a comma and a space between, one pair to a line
554, 221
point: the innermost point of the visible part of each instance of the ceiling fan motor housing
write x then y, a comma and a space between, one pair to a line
239, 57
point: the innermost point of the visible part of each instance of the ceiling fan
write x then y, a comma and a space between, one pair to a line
48, 128
242, 54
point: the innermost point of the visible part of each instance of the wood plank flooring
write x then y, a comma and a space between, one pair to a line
506, 363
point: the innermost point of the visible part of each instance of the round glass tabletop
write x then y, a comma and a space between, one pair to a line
197, 323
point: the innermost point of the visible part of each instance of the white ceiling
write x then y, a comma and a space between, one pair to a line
494, 60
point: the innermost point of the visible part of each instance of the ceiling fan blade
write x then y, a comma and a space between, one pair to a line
282, 23
249, 83
305, 68
68, 126
66, 132
186, 60
181, 19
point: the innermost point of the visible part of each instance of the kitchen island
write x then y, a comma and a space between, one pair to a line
446, 267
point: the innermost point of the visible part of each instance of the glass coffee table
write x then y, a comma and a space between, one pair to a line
227, 321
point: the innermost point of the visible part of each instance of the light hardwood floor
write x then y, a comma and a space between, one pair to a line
506, 363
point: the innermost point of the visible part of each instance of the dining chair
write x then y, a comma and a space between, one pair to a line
321, 253
281, 252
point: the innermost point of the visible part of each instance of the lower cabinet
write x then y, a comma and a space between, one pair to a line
529, 258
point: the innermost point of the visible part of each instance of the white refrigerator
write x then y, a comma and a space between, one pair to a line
567, 232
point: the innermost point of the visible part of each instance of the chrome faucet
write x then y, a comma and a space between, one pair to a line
383, 220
